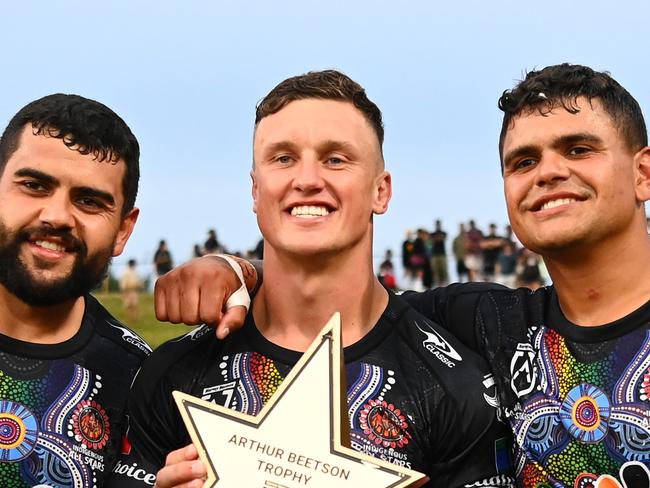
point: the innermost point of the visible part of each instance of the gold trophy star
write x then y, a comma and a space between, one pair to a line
300, 437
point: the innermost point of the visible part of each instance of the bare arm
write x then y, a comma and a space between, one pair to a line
196, 292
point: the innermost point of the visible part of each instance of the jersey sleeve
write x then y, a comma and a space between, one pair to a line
454, 308
468, 445
155, 428
474, 447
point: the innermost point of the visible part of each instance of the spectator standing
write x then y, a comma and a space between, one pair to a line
212, 245
407, 253
162, 260
505, 271
386, 273
474, 252
491, 246
131, 285
197, 252
459, 248
421, 258
439, 256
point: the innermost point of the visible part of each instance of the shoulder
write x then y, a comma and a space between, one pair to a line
113, 331
177, 360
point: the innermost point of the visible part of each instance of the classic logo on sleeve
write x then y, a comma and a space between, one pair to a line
439, 347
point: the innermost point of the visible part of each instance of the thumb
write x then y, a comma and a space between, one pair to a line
232, 319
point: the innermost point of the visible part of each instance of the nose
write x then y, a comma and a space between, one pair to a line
57, 211
552, 168
308, 177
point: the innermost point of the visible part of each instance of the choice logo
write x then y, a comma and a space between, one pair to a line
439, 347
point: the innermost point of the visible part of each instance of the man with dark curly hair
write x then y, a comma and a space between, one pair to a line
68, 181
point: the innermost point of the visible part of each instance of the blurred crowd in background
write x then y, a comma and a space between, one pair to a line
430, 258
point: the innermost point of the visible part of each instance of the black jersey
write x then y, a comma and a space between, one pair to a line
62, 405
576, 398
416, 398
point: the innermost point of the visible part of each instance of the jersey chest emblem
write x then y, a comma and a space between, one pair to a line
523, 371
384, 424
90, 425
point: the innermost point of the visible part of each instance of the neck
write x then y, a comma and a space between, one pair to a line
298, 297
605, 282
40, 325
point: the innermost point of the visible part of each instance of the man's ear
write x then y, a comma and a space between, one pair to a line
642, 177
125, 230
383, 193
254, 190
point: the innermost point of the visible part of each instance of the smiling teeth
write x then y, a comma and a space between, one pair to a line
50, 245
309, 211
557, 203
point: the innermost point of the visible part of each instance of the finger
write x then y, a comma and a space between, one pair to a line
211, 303
232, 320
160, 301
173, 299
189, 304
187, 453
183, 474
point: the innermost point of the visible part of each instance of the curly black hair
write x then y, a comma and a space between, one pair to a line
84, 125
560, 86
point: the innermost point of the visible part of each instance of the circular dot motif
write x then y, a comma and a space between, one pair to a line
585, 413
18, 431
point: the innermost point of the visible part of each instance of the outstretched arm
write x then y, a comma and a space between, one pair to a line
197, 292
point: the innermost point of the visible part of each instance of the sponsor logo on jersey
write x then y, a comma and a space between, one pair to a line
220, 394
134, 471
439, 347
523, 370
195, 334
132, 338
90, 424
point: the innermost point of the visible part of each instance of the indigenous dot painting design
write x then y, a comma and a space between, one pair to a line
258, 379
18, 431
585, 413
583, 422
42, 399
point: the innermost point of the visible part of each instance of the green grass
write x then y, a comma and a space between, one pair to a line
152, 331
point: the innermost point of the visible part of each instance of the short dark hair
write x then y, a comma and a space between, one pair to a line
560, 86
84, 125
326, 85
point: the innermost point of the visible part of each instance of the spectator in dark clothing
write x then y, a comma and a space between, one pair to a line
212, 245
162, 260
420, 259
439, 255
459, 248
491, 245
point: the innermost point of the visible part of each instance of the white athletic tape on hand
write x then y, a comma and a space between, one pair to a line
240, 297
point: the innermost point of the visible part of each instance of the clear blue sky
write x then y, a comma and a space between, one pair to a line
186, 77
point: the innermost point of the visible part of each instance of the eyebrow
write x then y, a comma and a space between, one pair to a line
36, 174
562, 141
51, 180
324, 147
95, 193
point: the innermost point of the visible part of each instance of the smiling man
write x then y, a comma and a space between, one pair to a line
317, 182
68, 181
571, 361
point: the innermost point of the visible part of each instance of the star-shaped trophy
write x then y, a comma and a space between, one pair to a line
288, 445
